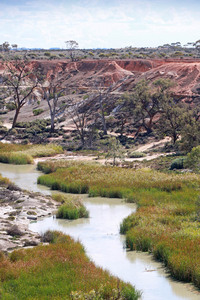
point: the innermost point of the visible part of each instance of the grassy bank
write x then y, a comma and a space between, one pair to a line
24, 154
72, 207
167, 225
60, 270
106, 181
167, 221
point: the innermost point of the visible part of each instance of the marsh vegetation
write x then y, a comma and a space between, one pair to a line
59, 270
23, 154
166, 223
71, 207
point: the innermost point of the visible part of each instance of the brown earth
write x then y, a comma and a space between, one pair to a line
122, 74
86, 75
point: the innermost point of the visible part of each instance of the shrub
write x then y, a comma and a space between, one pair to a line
71, 209
193, 159
137, 154
48, 54
177, 163
14, 231
10, 106
38, 111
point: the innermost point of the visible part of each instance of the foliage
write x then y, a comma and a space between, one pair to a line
137, 154
17, 158
24, 154
4, 180
193, 159
107, 181
177, 163
38, 111
55, 271
166, 222
115, 150
145, 102
72, 207
102, 293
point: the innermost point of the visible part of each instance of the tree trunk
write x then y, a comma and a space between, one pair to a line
15, 117
52, 124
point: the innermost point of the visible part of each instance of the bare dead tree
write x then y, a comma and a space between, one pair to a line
101, 96
80, 113
52, 91
19, 82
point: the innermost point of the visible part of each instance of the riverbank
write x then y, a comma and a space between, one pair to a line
18, 208
50, 270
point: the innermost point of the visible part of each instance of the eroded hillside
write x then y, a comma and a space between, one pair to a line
83, 76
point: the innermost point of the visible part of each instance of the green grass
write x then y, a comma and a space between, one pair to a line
167, 225
72, 207
4, 180
167, 222
57, 271
106, 181
24, 154
17, 158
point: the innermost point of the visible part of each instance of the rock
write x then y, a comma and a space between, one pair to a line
32, 218
14, 231
28, 243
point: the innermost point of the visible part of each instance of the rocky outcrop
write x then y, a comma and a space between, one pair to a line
17, 209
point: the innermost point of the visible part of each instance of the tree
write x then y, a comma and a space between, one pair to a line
101, 98
190, 131
71, 45
5, 47
80, 113
14, 46
193, 159
122, 112
145, 103
171, 120
115, 150
52, 91
20, 83
197, 45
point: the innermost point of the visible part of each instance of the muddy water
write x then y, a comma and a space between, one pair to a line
100, 236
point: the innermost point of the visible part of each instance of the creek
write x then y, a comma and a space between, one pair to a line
103, 244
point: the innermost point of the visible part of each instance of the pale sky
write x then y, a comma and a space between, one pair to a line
99, 23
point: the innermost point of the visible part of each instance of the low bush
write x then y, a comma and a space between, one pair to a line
193, 159
178, 163
137, 154
72, 207
38, 111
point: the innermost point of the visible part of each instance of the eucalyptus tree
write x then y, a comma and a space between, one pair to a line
81, 113
52, 89
72, 45
144, 104
19, 82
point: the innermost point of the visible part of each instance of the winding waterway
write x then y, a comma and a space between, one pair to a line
104, 245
